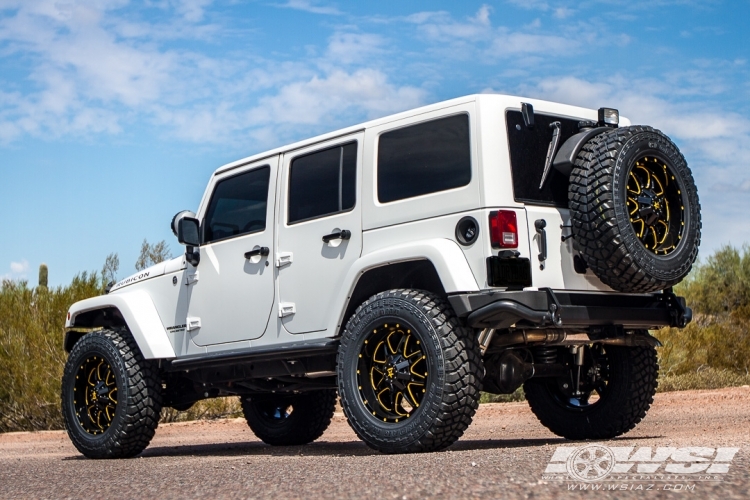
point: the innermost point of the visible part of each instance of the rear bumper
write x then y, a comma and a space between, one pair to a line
545, 308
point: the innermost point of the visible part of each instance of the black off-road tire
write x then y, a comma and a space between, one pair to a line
451, 393
289, 420
629, 395
601, 219
139, 396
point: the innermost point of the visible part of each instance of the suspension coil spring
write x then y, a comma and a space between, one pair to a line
544, 355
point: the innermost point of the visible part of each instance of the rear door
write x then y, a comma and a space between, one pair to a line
320, 230
557, 271
546, 203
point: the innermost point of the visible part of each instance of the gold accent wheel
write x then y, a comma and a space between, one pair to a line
392, 372
654, 204
95, 395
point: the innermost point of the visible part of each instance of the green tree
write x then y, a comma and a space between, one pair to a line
152, 254
110, 268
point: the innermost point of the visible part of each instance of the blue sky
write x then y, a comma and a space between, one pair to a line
114, 113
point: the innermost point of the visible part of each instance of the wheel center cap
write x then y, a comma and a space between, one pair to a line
395, 364
651, 206
100, 392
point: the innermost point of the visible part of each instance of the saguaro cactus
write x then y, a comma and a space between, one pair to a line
43, 275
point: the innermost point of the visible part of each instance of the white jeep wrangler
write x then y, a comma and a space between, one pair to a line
483, 243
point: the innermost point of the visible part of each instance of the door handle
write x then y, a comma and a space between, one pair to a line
344, 234
263, 251
540, 224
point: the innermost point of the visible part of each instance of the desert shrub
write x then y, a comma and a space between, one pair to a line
718, 291
228, 407
32, 322
706, 378
503, 398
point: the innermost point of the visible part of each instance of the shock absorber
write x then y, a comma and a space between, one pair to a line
577, 352
544, 355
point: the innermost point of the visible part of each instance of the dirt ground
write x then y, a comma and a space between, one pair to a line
504, 454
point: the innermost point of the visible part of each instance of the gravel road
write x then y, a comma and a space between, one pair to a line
504, 454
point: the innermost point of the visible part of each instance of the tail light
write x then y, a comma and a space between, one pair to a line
503, 229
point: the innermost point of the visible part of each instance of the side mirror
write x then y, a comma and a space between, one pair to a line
177, 217
189, 235
187, 232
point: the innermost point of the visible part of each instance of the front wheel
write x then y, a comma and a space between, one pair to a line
289, 419
111, 396
409, 373
610, 395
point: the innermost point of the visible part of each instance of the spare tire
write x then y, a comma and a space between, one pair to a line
634, 210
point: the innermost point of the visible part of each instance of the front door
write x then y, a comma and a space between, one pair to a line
320, 230
231, 293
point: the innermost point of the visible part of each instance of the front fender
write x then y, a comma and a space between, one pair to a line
140, 315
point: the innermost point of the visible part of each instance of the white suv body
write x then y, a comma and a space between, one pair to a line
439, 208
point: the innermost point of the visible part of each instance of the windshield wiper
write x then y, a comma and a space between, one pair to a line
551, 150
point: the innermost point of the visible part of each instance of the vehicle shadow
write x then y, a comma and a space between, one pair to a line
348, 448
491, 444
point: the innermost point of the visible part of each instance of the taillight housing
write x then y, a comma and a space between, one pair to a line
503, 229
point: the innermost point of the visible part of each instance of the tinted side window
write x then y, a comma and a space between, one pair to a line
238, 206
424, 158
323, 183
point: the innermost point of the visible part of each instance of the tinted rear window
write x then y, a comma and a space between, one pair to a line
424, 158
528, 151
323, 183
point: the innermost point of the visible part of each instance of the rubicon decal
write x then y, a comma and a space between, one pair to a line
132, 279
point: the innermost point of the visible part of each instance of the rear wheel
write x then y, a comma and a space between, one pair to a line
409, 372
111, 396
612, 393
289, 419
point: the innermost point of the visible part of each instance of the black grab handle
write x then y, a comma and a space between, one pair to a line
344, 234
540, 224
262, 251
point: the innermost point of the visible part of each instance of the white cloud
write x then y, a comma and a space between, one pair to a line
192, 10
311, 101
93, 71
476, 38
18, 271
19, 267
318, 104
441, 27
347, 48
530, 4
307, 6
563, 12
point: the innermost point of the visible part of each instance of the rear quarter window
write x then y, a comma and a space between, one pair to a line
424, 158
